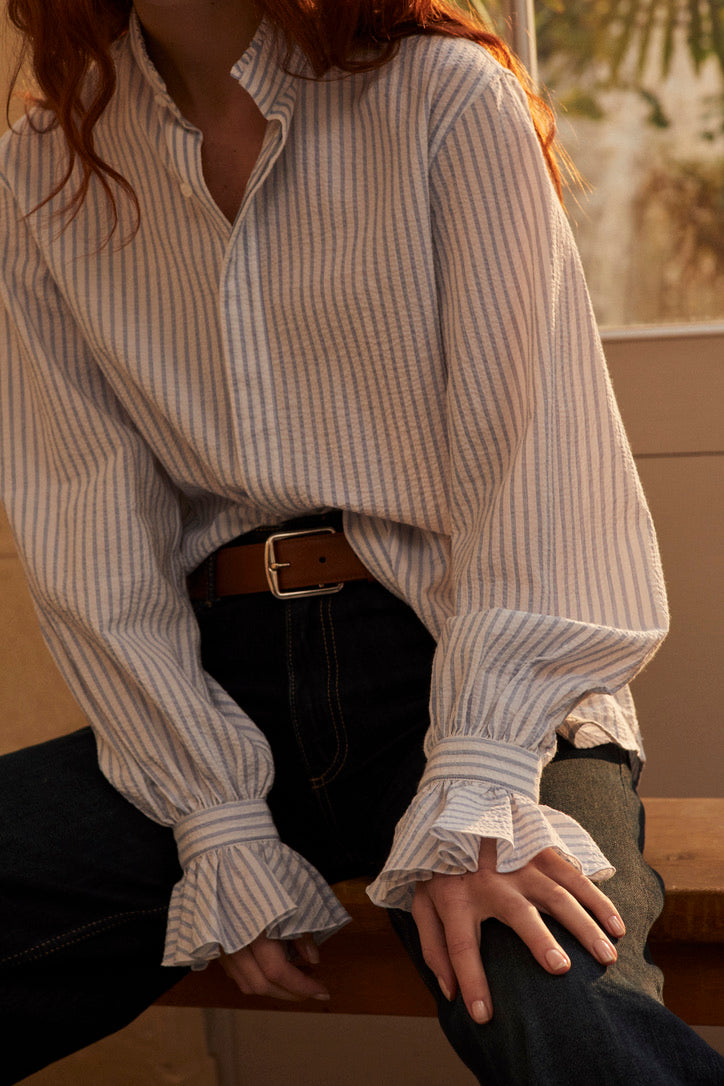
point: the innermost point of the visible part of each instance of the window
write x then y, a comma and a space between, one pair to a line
638, 87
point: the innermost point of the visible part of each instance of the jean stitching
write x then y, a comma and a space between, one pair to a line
292, 690
655, 898
86, 931
335, 712
653, 892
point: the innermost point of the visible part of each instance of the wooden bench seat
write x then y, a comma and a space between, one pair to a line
367, 972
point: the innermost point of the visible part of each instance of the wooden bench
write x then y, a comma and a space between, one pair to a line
367, 972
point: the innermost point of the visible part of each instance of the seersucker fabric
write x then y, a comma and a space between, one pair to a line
396, 325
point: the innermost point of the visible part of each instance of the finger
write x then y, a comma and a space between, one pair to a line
243, 969
270, 957
307, 949
462, 936
585, 891
523, 917
262, 969
559, 903
432, 942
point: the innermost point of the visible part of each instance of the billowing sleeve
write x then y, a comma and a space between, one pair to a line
557, 587
98, 526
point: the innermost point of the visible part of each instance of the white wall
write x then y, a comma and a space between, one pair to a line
670, 387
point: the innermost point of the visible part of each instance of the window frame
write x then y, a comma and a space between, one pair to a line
519, 16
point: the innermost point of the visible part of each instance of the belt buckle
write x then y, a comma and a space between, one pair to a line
271, 566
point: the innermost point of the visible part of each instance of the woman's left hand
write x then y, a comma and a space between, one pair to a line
448, 911
264, 968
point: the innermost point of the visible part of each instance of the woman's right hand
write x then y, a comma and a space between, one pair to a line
263, 968
449, 909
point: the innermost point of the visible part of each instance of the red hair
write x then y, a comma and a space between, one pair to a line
69, 44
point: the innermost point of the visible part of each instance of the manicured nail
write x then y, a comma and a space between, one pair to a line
557, 960
322, 995
312, 953
604, 951
615, 926
444, 989
481, 1013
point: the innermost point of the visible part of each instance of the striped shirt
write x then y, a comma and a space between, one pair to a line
401, 283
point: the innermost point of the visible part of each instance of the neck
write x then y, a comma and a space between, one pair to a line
194, 44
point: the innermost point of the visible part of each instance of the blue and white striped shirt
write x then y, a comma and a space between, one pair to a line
401, 283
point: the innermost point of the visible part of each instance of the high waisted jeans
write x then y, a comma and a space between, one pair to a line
339, 684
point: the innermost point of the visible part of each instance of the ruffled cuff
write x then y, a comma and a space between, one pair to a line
441, 830
240, 880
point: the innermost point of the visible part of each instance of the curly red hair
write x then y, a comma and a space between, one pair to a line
68, 45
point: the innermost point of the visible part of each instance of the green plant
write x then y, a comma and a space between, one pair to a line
630, 35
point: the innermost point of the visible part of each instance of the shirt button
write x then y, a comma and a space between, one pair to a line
186, 189
160, 100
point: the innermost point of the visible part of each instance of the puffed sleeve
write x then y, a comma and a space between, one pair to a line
98, 525
558, 591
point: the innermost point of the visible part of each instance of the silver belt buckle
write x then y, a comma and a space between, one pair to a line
271, 566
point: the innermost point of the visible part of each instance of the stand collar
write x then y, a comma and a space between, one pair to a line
259, 70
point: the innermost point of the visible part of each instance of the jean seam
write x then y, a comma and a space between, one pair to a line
654, 911
78, 935
292, 690
334, 701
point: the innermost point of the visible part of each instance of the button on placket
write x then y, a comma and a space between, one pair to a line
184, 145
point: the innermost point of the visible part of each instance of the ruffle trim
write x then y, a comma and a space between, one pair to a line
442, 828
230, 895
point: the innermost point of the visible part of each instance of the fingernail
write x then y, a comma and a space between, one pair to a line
480, 1011
615, 925
322, 995
444, 989
557, 960
312, 953
604, 951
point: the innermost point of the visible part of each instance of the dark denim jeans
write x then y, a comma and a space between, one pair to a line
339, 684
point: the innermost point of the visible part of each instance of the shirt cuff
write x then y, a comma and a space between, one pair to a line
474, 788
241, 881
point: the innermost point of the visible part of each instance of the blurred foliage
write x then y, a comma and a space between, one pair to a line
629, 38
693, 194
616, 33
680, 214
487, 13
592, 45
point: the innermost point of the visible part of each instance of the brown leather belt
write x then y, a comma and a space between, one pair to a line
312, 562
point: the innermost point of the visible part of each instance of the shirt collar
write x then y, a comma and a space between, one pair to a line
260, 70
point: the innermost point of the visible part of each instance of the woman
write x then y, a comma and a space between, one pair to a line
250, 292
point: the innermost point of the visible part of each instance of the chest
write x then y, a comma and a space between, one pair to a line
230, 149
284, 346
